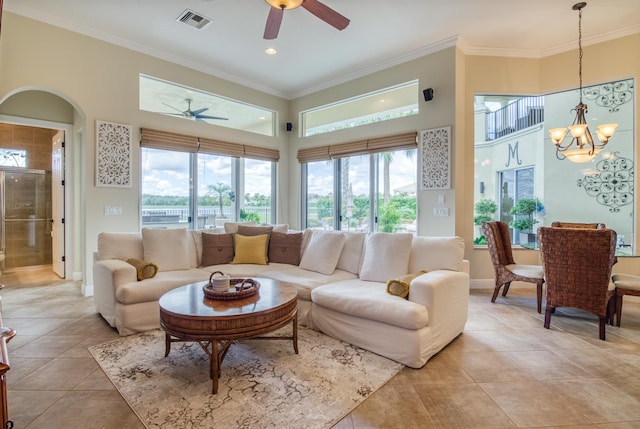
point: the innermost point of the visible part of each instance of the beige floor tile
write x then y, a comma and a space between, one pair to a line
597, 400
461, 406
58, 374
48, 346
486, 367
547, 365
532, 404
26, 406
393, 406
88, 410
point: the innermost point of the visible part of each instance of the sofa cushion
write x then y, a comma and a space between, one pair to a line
436, 253
254, 229
351, 256
216, 249
306, 281
250, 249
285, 247
167, 248
119, 245
386, 256
152, 289
323, 251
370, 300
232, 227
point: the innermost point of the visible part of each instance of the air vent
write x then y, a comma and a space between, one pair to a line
193, 19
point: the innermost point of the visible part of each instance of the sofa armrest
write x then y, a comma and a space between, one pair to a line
108, 275
446, 296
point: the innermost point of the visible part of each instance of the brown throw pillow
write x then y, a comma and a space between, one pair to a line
144, 269
285, 247
216, 249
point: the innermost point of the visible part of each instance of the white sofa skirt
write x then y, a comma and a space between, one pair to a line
411, 347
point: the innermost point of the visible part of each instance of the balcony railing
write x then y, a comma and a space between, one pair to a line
522, 113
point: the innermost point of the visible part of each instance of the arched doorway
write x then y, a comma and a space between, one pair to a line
37, 118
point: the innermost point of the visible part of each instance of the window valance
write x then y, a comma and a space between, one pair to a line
360, 147
171, 141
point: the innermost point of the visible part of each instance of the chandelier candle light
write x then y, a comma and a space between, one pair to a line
585, 148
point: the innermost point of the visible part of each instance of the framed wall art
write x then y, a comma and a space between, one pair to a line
435, 159
113, 155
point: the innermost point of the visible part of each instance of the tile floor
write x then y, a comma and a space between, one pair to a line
504, 371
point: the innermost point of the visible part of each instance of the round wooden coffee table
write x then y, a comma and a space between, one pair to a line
187, 315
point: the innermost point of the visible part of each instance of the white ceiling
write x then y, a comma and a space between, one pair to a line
313, 55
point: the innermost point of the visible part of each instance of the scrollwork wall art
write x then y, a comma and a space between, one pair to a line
611, 183
435, 159
113, 155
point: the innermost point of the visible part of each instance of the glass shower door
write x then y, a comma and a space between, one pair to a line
26, 218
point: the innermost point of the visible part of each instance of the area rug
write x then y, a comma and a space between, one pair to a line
264, 384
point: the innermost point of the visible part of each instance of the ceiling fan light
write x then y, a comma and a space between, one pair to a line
284, 4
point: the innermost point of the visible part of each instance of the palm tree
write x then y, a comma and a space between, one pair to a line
220, 190
387, 158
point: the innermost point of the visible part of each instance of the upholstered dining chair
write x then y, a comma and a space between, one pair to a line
577, 270
594, 225
626, 284
504, 266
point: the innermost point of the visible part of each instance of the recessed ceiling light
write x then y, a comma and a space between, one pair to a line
271, 51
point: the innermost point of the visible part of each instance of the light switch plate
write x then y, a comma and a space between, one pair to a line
113, 210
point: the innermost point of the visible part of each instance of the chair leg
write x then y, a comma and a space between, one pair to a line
496, 290
618, 308
539, 293
547, 316
506, 288
603, 324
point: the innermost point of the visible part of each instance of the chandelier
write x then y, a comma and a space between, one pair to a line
581, 147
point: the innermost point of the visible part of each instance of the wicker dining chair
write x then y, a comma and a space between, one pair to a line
594, 225
577, 269
626, 284
505, 267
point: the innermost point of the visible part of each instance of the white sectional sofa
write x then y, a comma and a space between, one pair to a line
341, 280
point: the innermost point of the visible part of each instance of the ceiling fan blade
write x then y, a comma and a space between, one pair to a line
200, 117
274, 20
197, 112
174, 108
326, 14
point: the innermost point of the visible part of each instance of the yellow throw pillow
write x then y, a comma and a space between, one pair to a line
145, 270
251, 249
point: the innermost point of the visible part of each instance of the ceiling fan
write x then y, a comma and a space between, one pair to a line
193, 114
320, 10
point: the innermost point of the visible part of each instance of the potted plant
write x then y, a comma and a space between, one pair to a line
485, 209
524, 221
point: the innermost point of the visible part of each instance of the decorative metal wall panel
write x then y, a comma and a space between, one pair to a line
435, 159
113, 155
611, 183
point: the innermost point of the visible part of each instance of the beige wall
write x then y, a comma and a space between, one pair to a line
100, 82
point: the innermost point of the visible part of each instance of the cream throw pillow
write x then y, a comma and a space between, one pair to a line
386, 256
250, 249
323, 252
167, 248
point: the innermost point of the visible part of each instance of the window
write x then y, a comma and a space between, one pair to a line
382, 105
196, 183
13, 158
172, 99
515, 161
364, 192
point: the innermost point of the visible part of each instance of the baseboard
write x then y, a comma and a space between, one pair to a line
86, 290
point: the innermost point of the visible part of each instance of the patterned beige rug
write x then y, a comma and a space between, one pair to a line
264, 384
